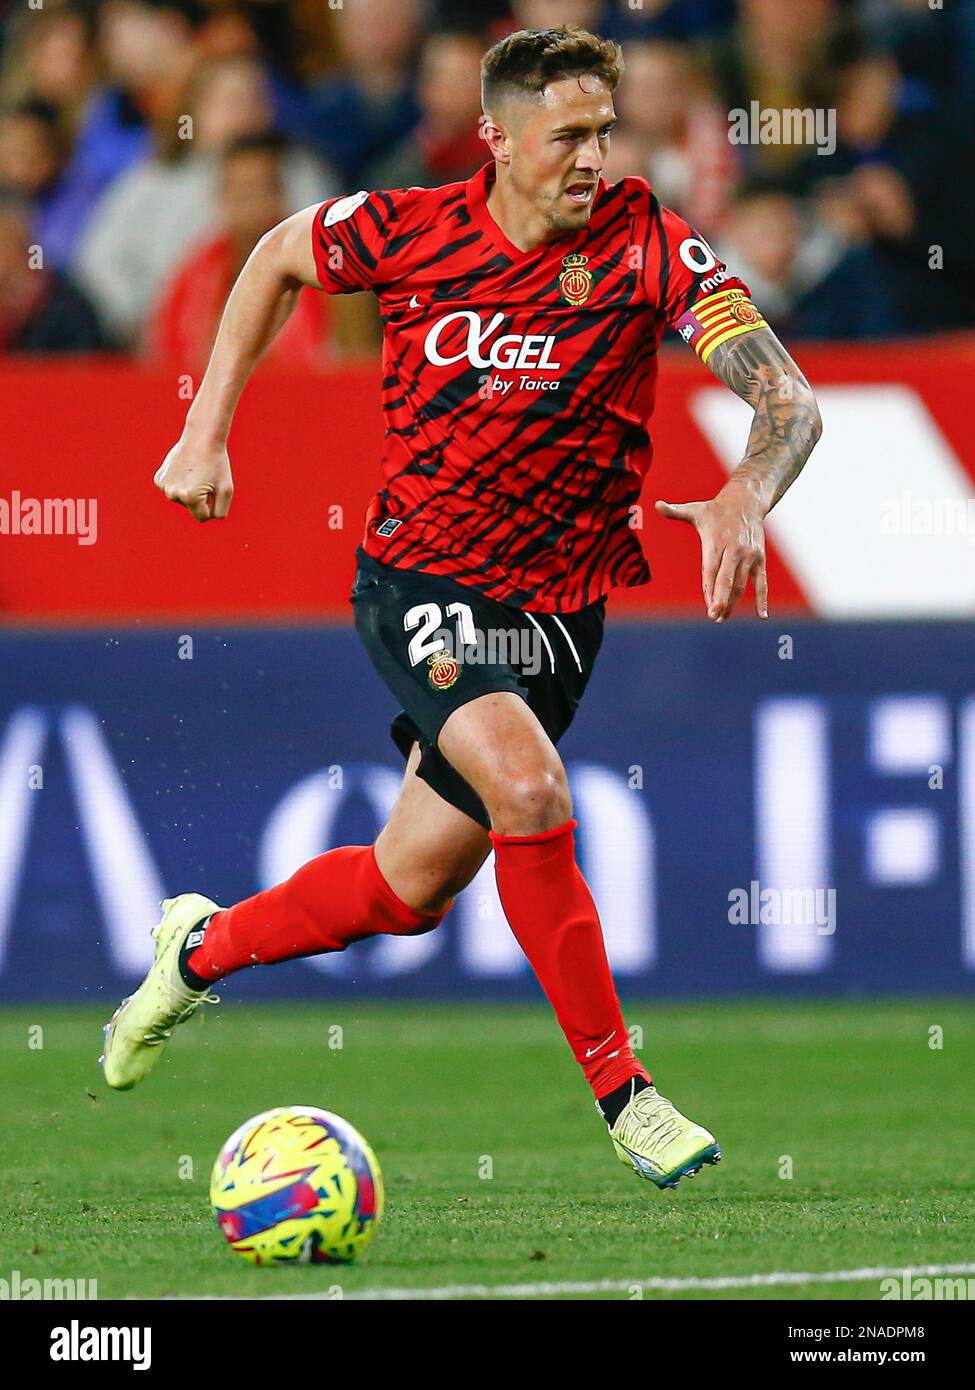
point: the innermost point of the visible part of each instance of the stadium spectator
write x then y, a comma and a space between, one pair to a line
281, 34
446, 145
251, 201
809, 281
155, 213
492, 16
92, 93
41, 311
147, 48
32, 158
934, 45
629, 20
369, 106
894, 179
547, 14
667, 105
50, 57
30, 148
780, 56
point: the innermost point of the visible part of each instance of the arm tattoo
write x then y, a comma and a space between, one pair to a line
786, 426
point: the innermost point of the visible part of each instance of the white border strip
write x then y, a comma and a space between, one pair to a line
779, 1278
541, 633
572, 646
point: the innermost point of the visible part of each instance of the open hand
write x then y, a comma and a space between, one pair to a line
732, 550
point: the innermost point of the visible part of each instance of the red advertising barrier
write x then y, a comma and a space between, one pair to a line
305, 450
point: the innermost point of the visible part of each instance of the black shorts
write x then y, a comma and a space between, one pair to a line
438, 644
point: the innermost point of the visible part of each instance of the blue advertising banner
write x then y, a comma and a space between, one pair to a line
762, 809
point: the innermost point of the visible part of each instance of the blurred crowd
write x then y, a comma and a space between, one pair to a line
146, 145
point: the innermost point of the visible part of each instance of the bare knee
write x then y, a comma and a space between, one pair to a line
498, 744
530, 799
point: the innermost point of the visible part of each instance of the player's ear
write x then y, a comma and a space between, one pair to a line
495, 137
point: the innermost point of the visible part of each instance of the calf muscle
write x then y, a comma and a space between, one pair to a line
428, 850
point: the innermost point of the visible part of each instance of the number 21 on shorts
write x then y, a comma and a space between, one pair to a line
428, 620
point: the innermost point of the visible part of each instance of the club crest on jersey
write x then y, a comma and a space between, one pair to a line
575, 281
444, 670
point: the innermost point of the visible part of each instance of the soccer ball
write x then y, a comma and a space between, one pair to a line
297, 1184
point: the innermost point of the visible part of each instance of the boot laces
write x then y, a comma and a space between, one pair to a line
163, 1030
663, 1127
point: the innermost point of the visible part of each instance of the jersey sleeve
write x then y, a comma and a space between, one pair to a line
348, 238
698, 296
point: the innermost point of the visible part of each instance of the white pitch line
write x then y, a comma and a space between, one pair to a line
654, 1285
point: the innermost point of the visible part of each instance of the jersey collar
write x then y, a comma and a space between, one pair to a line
478, 189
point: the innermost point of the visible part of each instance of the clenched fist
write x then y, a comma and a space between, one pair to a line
198, 477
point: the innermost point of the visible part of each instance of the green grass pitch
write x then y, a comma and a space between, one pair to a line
877, 1125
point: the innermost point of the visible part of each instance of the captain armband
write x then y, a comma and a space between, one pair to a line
714, 320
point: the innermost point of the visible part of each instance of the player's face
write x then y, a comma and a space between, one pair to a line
557, 148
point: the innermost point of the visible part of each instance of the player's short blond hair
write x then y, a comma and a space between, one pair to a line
525, 63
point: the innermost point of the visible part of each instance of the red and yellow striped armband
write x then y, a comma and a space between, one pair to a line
714, 320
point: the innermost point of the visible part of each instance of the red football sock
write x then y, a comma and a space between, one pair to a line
331, 901
551, 912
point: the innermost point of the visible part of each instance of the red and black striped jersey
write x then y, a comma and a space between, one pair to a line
517, 385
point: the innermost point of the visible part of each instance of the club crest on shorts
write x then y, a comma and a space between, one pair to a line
444, 670
575, 282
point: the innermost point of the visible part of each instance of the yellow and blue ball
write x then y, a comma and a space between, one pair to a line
297, 1184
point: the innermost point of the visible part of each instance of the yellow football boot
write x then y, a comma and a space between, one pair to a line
141, 1026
